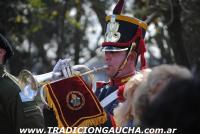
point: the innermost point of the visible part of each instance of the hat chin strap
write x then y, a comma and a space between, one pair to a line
141, 51
125, 61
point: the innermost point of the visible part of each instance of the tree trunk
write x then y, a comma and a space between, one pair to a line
175, 32
61, 31
77, 37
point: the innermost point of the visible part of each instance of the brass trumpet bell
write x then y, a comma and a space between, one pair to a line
26, 78
37, 82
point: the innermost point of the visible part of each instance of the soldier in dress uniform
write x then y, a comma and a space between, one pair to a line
16, 110
124, 42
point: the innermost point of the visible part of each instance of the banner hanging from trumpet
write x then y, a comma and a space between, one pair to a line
74, 104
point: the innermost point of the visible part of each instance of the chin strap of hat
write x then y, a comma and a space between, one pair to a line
141, 50
125, 60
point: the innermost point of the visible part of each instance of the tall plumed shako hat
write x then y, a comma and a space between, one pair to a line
123, 32
7, 46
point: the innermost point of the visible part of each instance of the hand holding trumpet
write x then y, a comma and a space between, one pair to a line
63, 66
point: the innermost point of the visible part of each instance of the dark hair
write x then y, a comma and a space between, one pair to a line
176, 107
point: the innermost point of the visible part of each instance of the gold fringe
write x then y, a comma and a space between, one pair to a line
88, 122
52, 105
95, 121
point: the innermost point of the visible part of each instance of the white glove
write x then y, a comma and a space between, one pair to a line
64, 67
27, 94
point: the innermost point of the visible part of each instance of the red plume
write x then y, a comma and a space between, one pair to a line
118, 8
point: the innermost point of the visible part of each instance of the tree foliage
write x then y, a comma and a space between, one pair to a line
177, 25
36, 26
42, 31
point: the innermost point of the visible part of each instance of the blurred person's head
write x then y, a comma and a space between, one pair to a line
124, 112
159, 77
177, 106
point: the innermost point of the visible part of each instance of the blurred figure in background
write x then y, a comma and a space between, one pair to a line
16, 111
156, 81
176, 106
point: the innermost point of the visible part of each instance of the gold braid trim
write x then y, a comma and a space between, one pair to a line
52, 105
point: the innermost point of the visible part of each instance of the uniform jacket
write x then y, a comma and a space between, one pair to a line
104, 89
15, 114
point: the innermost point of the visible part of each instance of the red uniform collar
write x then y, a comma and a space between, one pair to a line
120, 81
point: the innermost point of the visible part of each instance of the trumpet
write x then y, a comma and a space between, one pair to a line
37, 82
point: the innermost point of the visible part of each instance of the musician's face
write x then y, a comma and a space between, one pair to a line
114, 60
